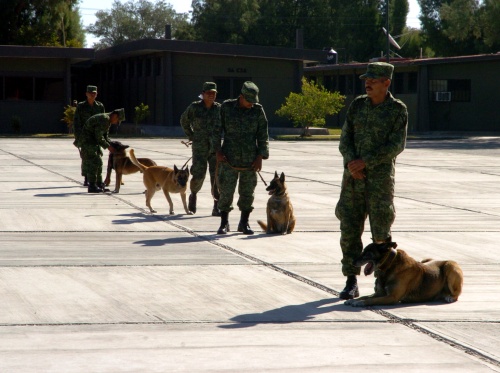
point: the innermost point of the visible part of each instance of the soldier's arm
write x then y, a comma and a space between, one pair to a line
395, 144
346, 144
217, 131
262, 135
186, 119
100, 129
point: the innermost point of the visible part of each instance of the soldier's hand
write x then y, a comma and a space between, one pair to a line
220, 156
356, 166
359, 175
111, 149
257, 163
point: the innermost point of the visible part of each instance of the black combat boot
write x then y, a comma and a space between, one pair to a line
215, 210
85, 182
351, 288
243, 226
103, 187
224, 222
192, 203
93, 188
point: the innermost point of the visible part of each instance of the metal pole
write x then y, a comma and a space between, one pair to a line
387, 28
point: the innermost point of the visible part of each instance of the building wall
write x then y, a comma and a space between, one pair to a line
34, 90
472, 111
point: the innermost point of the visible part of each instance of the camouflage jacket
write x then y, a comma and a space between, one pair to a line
96, 131
244, 131
83, 112
375, 134
198, 123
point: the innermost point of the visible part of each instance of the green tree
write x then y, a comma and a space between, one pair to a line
136, 20
311, 106
489, 16
41, 23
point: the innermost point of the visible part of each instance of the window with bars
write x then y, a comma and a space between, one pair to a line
455, 90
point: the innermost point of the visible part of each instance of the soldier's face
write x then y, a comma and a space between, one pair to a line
244, 103
114, 118
91, 97
376, 87
209, 97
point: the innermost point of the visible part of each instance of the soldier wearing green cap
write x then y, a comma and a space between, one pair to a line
94, 136
243, 126
374, 133
198, 122
84, 110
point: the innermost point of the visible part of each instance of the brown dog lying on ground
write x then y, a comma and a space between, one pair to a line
279, 211
402, 279
121, 163
158, 177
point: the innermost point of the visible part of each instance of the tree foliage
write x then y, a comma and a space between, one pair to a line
311, 106
41, 23
134, 20
460, 27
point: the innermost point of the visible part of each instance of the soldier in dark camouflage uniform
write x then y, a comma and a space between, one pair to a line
198, 122
84, 110
243, 126
374, 133
94, 136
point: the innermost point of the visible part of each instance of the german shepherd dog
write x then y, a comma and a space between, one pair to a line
402, 279
121, 163
279, 211
159, 177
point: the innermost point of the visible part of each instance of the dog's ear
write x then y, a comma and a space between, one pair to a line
126, 146
175, 169
282, 178
275, 174
392, 244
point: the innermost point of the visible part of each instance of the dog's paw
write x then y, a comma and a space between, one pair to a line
355, 303
115, 191
189, 213
172, 212
449, 299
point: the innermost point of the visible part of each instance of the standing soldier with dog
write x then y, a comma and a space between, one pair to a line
84, 110
198, 123
94, 136
243, 126
373, 135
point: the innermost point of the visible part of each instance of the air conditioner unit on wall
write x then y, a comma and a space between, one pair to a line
443, 96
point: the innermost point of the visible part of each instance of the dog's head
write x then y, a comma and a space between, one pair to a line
374, 255
118, 146
181, 176
277, 185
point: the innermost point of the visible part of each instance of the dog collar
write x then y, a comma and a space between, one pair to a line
392, 255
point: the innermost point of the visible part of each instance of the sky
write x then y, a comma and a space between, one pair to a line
88, 8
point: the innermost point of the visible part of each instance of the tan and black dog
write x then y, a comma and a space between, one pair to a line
279, 211
402, 279
159, 177
121, 163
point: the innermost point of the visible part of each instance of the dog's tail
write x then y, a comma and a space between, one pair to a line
135, 161
262, 224
454, 277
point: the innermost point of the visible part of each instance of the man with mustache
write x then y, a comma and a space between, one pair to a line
374, 133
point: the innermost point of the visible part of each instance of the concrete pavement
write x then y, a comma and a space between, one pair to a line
95, 283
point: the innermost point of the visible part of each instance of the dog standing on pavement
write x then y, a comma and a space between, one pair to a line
279, 211
158, 177
121, 163
402, 279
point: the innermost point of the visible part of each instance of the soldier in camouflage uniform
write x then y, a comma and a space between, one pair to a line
84, 110
374, 133
243, 126
198, 122
94, 136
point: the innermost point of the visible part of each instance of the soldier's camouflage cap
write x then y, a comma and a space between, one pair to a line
91, 88
121, 114
376, 70
251, 92
209, 86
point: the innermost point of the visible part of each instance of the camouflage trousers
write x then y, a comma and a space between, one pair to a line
359, 199
227, 179
92, 162
199, 170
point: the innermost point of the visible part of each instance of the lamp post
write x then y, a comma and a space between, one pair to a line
387, 28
